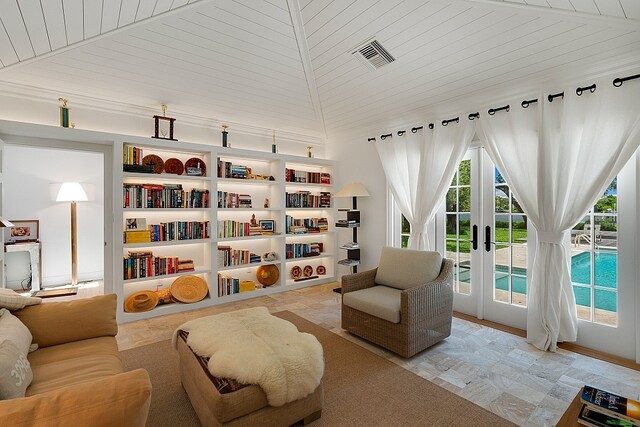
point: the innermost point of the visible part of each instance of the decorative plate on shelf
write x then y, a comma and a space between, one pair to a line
173, 165
268, 274
155, 161
321, 269
307, 270
195, 163
189, 289
296, 272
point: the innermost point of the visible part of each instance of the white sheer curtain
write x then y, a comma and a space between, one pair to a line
419, 167
558, 158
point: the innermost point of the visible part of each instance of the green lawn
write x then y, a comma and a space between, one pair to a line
502, 235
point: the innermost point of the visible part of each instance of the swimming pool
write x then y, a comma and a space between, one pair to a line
606, 270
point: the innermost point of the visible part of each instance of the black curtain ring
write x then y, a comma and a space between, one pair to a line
401, 132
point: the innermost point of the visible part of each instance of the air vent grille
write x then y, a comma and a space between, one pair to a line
373, 54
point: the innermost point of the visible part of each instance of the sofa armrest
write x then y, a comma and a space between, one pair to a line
357, 281
436, 297
54, 323
118, 400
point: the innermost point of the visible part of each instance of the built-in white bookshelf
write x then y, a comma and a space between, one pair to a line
267, 187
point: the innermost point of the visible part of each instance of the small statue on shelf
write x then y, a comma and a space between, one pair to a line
253, 221
266, 203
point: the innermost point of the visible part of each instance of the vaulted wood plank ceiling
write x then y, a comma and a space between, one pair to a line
288, 64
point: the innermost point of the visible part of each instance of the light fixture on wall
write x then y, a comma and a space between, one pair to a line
72, 192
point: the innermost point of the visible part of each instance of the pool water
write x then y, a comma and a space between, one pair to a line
605, 276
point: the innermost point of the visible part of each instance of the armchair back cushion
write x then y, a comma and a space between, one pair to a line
405, 268
63, 322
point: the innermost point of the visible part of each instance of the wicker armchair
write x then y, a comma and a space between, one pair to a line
424, 310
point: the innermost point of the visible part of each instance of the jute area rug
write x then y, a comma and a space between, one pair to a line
360, 388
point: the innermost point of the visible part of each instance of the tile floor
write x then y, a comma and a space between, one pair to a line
491, 368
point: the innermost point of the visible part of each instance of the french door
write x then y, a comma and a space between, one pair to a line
483, 229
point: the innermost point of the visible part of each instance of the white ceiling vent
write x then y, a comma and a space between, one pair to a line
373, 54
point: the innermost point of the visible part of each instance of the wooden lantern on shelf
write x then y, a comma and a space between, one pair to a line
164, 125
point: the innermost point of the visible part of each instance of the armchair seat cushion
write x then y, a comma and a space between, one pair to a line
378, 301
405, 268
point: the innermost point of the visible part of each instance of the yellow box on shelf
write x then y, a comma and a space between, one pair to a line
137, 236
247, 285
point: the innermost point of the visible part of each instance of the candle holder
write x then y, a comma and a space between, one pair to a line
274, 148
64, 113
309, 154
164, 125
225, 138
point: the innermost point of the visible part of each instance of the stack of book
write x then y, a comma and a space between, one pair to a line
303, 250
179, 230
292, 175
229, 170
304, 199
346, 223
227, 256
139, 264
306, 225
185, 265
233, 200
601, 408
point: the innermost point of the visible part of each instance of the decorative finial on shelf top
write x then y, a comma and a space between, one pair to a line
64, 101
164, 110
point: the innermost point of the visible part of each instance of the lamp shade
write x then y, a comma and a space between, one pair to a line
71, 192
354, 189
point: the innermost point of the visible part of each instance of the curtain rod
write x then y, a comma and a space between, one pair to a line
617, 82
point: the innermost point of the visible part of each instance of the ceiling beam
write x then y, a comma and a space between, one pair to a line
305, 57
179, 9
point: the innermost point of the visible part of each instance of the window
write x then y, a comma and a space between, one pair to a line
594, 259
405, 230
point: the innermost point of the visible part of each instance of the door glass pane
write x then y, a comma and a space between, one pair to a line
605, 311
605, 231
519, 229
606, 269
502, 198
464, 200
452, 200
501, 227
583, 301
581, 267
501, 292
464, 227
464, 172
519, 290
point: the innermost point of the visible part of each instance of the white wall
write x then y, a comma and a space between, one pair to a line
358, 162
31, 179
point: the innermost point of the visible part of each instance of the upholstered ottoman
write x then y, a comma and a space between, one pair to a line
223, 402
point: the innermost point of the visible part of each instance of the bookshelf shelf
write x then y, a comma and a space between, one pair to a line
304, 184
248, 209
165, 209
242, 181
167, 276
166, 243
307, 258
250, 265
165, 177
231, 239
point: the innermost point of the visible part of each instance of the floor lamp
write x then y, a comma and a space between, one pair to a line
353, 190
72, 192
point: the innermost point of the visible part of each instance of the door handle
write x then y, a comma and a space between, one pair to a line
474, 241
487, 238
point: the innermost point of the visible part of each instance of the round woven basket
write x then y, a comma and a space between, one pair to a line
268, 274
141, 301
174, 165
189, 289
156, 161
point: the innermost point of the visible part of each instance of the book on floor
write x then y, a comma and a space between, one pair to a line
611, 404
592, 418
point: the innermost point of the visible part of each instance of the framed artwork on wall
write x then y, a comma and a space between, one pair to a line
23, 231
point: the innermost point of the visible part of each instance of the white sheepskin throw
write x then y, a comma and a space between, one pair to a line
254, 347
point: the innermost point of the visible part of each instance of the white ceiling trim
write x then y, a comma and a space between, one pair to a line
74, 45
49, 96
298, 28
567, 15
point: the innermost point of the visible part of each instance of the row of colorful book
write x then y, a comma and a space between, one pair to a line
601, 408
131, 155
179, 230
292, 175
163, 196
233, 200
306, 225
228, 285
139, 264
302, 250
227, 256
229, 170
304, 199
231, 228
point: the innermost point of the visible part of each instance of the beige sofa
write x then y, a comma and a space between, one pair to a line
78, 376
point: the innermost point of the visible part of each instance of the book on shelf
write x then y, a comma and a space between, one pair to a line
151, 195
141, 264
350, 245
227, 257
137, 236
234, 200
304, 199
303, 250
292, 175
592, 418
131, 156
179, 230
611, 404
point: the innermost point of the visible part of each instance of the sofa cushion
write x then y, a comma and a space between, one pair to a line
405, 268
12, 329
379, 301
14, 301
15, 371
66, 364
